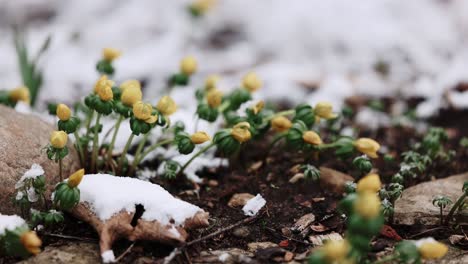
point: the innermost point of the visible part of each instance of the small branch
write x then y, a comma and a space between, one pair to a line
125, 252
85, 239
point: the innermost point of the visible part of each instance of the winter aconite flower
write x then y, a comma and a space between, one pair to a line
200, 137
103, 82
367, 205
367, 146
131, 95
143, 112
166, 106
312, 138
131, 84
200, 7
63, 112
110, 54
214, 98
251, 82
58, 139
75, 179
324, 110
31, 242
105, 93
20, 94
280, 124
336, 250
431, 249
370, 183
188, 65
258, 107
211, 82
241, 132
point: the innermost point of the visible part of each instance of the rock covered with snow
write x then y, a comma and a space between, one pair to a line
22, 138
122, 207
10, 222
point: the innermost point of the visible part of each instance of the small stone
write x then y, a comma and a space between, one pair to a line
213, 183
210, 205
317, 240
333, 180
240, 199
286, 231
242, 232
303, 222
296, 177
254, 246
288, 256
256, 166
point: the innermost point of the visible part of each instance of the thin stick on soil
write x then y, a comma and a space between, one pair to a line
85, 239
125, 252
178, 250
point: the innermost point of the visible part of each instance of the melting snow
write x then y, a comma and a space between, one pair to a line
254, 205
10, 222
108, 256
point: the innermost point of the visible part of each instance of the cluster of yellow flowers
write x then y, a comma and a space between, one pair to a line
20, 94
368, 202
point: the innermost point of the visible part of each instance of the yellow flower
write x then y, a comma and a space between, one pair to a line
312, 138
200, 137
280, 124
336, 250
367, 205
20, 94
63, 112
110, 54
324, 110
211, 82
203, 6
143, 112
258, 107
188, 65
370, 183
367, 146
58, 139
102, 82
431, 249
132, 84
214, 98
31, 242
75, 179
166, 106
251, 82
131, 95
241, 132
105, 93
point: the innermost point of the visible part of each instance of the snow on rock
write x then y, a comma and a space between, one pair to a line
108, 195
10, 222
108, 256
254, 205
36, 170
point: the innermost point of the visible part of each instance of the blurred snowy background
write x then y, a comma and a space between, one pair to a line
335, 46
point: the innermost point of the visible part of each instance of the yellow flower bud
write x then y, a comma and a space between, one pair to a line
105, 93
143, 112
258, 107
102, 82
370, 183
110, 54
166, 106
132, 84
75, 179
200, 137
20, 94
312, 138
202, 6
188, 65
367, 205
58, 139
131, 95
31, 242
63, 112
241, 132
251, 82
367, 146
431, 249
324, 110
280, 124
336, 250
214, 98
211, 82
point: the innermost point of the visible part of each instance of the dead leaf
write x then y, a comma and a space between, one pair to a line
319, 228
303, 222
255, 166
389, 232
317, 240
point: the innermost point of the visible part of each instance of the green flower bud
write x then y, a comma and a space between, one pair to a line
66, 197
179, 79
184, 143
170, 169
53, 218
39, 183
311, 172
70, 125
105, 67
294, 136
363, 164
408, 252
398, 178
304, 113
344, 147
238, 97
207, 113
139, 126
225, 142
103, 107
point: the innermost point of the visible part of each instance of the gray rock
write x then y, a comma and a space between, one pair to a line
415, 206
241, 232
22, 138
76, 252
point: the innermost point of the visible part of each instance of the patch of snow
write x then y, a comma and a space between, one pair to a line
174, 231
32, 195
372, 119
108, 256
254, 205
109, 194
35, 171
224, 257
458, 99
10, 222
422, 241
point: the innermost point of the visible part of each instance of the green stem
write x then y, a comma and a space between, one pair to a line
224, 106
60, 169
124, 153
114, 137
203, 150
386, 259
454, 208
273, 143
326, 146
441, 216
79, 148
281, 113
138, 153
88, 121
95, 144
153, 147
